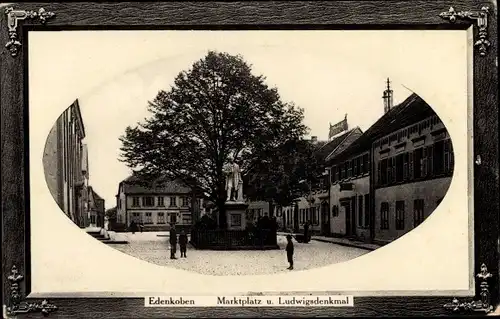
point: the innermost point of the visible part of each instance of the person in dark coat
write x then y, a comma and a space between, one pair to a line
141, 226
133, 227
289, 251
173, 241
306, 232
183, 239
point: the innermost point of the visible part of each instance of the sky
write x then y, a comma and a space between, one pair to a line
327, 73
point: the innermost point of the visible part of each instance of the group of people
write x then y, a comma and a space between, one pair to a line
134, 227
183, 240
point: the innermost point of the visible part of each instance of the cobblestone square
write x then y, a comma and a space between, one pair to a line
154, 249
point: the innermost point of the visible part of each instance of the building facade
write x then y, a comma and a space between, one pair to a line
414, 167
97, 209
350, 196
156, 204
65, 163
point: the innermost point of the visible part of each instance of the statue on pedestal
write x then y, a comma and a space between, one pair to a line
234, 183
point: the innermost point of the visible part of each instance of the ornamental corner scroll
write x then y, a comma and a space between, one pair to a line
13, 16
17, 306
481, 305
481, 18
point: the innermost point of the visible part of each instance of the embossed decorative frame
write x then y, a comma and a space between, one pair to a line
404, 14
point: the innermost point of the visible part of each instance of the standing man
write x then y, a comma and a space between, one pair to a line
289, 251
183, 243
173, 241
306, 232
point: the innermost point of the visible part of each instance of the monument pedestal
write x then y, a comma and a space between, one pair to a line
236, 215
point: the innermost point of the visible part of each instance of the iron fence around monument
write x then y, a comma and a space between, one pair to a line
234, 239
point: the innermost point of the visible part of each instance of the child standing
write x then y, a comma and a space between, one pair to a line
183, 243
289, 251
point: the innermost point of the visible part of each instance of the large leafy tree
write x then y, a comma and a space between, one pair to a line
214, 112
288, 172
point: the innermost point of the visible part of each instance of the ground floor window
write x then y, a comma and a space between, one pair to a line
173, 218
360, 212
384, 215
367, 210
92, 219
418, 212
137, 217
400, 215
149, 218
160, 219
335, 211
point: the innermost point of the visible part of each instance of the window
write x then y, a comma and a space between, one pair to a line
360, 213
92, 219
160, 218
367, 210
400, 215
119, 218
135, 201
161, 201
185, 201
149, 218
406, 173
382, 172
418, 212
366, 163
313, 218
384, 215
119, 204
400, 168
418, 156
173, 201
335, 211
173, 218
137, 217
357, 165
148, 201
235, 219
349, 168
438, 163
333, 174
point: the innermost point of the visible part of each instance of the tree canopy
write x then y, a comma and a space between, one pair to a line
214, 112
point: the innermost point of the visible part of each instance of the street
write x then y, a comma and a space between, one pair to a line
154, 249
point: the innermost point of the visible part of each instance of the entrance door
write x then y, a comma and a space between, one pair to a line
348, 218
325, 219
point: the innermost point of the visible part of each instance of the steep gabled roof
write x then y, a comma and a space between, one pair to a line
411, 110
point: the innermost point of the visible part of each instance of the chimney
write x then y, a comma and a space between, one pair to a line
314, 139
388, 97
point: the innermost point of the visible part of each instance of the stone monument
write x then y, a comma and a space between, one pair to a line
235, 204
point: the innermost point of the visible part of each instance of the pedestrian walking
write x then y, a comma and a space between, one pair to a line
289, 251
133, 227
173, 241
141, 226
183, 243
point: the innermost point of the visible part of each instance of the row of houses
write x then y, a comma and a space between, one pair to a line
377, 186
66, 168
381, 183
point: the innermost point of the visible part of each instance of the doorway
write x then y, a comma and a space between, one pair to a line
325, 219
